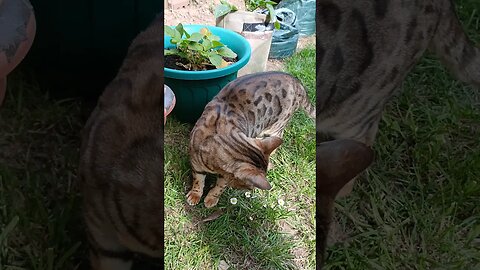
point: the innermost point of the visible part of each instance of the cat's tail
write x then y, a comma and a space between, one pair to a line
306, 104
309, 108
455, 49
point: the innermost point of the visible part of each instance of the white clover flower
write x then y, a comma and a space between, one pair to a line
248, 194
281, 202
233, 200
250, 217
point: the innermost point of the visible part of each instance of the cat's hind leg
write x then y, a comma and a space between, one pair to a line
367, 138
106, 253
195, 194
102, 262
214, 194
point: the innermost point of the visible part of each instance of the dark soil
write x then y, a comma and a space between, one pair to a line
172, 60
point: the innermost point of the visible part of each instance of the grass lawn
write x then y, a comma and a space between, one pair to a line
270, 229
40, 220
418, 206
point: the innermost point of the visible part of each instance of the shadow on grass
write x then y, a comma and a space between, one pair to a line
39, 198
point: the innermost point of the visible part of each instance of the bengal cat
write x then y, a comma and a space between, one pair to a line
366, 48
121, 163
239, 129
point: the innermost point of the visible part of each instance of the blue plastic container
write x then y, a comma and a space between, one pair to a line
285, 39
194, 89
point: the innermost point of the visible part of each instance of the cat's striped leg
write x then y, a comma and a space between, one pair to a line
101, 262
367, 138
195, 194
106, 253
212, 197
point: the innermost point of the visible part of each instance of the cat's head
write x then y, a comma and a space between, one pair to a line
250, 169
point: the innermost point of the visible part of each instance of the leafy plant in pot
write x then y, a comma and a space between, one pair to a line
198, 51
199, 61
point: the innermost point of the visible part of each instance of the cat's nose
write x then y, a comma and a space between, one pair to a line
168, 101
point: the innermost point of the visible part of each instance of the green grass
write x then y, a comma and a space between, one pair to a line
418, 206
255, 233
39, 203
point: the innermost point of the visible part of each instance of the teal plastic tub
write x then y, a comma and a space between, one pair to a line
194, 89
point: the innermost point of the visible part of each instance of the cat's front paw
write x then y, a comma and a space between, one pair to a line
193, 197
210, 201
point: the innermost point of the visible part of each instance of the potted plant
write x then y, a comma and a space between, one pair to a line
199, 61
256, 24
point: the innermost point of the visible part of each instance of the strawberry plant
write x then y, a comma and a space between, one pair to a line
200, 49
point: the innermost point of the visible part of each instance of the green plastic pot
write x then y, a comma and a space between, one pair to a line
194, 89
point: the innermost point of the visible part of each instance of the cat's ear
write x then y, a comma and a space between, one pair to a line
338, 162
253, 176
268, 144
260, 181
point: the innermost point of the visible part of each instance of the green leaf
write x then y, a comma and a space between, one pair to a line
177, 37
213, 37
268, 2
179, 28
207, 44
169, 31
226, 52
215, 59
277, 25
170, 51
222, 10
195, 46
271, 13
196, 37
216, 43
